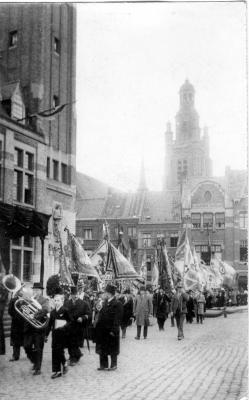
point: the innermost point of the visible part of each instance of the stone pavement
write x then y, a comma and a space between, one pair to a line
209, 364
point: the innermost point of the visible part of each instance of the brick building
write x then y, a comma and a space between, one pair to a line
215, 208
37, 73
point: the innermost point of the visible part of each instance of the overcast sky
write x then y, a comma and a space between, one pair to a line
132, 60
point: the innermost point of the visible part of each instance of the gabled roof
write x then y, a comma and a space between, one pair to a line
7, 91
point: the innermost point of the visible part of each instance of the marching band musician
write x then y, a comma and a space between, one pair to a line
16, 330
58, 323
34, 338
80, 314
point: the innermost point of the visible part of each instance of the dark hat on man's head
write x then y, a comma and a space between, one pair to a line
110, 289
58, 290
73, 290
37, 285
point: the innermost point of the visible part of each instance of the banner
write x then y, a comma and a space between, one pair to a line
155, 272
167, 267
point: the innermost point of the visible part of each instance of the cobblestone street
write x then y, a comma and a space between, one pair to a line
209, 364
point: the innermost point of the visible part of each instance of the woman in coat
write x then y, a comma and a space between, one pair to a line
200, 306
16, 330
143, 308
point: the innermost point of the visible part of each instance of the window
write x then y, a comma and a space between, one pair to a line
23, 185
29, 161
148, 264
56, 101
57, 46
22, 256
219, 220
18, 157
48, 167
207, 220
88, 234
146, 240
196, 220
13, 39
64, 173
243, 220
132, 231
207, 196
173, 239
55, 170
243, 251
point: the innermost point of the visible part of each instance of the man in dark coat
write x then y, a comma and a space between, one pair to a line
179, 308
16, 330
80, 314
3, 301
162, 307
126, 320
107, 331
34, 338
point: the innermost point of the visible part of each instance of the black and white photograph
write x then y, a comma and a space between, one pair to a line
124, 200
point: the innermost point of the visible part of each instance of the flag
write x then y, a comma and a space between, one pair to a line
81, 260
155, 271
185, 264
167, 267
118, 265
227, 272
215, 268
143, 269
65, 276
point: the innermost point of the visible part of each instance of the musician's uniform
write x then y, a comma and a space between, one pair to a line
16, 330
59, 337
34, 338
77, 309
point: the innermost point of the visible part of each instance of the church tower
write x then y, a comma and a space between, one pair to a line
187, 157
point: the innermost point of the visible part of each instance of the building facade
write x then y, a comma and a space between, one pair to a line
213, 208
37, 75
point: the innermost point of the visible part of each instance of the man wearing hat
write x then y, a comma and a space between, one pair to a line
80, 314
34, 338
179, 308
143, 309
107, 330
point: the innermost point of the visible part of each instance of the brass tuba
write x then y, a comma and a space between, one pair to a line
25, 305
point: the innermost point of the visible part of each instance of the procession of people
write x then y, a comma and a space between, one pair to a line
71, 318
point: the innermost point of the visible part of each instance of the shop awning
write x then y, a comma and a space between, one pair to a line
18, 221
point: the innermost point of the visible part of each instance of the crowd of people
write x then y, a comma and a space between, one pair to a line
81, 316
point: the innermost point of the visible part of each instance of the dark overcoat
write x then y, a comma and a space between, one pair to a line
163, 306
17, 324
127, 312
78, 309
107, 328
60, 336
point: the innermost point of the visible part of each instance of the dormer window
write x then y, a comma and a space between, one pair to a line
57, 45
13, 39
12, 101
56, 101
